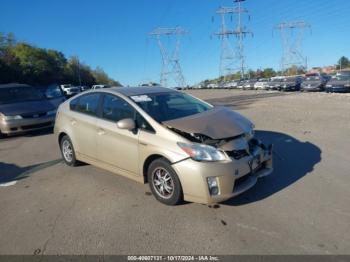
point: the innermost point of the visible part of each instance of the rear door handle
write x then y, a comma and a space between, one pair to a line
101, 132
73, 121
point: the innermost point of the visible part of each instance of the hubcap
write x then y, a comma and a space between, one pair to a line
163, 183
67, 151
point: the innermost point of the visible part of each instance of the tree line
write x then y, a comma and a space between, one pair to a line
343, 63
21, 62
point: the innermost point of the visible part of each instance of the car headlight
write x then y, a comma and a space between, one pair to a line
7, 118
51, 113
213, 185
202, 152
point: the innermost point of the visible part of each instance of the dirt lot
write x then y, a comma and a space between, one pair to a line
303, 208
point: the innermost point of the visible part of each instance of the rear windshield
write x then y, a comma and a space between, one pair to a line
9, 95
169, 106
51, 92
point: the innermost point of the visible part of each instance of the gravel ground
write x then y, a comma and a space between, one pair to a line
303, 208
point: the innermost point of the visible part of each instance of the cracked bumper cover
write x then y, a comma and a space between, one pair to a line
234, 177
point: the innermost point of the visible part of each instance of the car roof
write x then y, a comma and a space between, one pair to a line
135, 91
13, 85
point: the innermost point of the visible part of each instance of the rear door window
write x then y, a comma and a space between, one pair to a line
87, 104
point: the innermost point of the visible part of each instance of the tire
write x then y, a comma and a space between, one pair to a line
2, 135
169, 190
67, 151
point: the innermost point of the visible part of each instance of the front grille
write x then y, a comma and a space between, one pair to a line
237, 154
43, 125
30, 116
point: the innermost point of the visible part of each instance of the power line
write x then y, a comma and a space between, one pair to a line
230, 57
171, 67
292, 35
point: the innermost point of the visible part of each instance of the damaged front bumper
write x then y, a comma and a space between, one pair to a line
233, 177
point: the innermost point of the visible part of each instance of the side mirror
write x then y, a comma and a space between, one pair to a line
127, 124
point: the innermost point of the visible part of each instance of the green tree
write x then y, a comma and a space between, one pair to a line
103, 79
343, 63
24, 63
294, 70
77, 73
36, 65
268, 73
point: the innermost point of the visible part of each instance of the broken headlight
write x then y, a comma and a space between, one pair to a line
200, 152
250, 135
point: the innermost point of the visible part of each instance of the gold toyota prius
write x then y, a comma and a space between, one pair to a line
185, 148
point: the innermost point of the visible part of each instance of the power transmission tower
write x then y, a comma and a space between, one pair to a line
232, 60
292, 35
170, 60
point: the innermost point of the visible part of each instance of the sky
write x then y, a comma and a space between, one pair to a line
113, 34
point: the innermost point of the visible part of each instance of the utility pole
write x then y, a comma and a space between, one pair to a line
79, 75
232, 60
171, 67
292, 35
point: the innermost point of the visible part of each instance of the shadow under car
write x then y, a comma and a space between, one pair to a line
293, 160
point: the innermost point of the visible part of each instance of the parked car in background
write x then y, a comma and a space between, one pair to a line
212, 86
292, 83
53, 93
84, 88
70, 90
249, 84
95, 87
314, 83
24, 108
240, 84
185, 148
262, 84
339, 84
275, 83
232, 84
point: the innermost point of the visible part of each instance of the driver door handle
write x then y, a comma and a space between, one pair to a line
101, 132
73, 121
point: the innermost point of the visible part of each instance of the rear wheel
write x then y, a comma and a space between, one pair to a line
67, 151
164, 183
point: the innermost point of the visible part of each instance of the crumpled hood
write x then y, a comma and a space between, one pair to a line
32, 107
218, 123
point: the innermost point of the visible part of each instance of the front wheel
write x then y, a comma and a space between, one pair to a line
2, 135
67, 151
164, 183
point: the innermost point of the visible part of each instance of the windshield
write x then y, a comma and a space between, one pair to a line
9, 95
51, 92
169, 106
341, 77
313, 78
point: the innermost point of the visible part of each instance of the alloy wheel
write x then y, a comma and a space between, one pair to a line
163, 183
